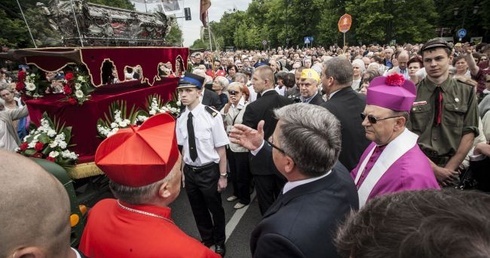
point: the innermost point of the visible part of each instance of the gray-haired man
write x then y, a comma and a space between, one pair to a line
319, 193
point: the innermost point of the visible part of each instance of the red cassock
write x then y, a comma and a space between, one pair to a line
113, 231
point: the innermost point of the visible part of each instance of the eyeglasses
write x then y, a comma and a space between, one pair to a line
233, 92
274, 146
374, 120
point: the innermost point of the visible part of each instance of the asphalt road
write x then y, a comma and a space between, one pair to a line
239, 223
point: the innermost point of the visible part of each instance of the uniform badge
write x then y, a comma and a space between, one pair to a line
419, 103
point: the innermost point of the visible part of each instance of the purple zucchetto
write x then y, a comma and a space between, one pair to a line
391, 92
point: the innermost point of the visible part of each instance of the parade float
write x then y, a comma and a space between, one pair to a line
113, 71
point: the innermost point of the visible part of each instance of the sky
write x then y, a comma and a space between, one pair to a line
192, 29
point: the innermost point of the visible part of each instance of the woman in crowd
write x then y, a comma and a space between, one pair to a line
220, 85
367, 77
359, 68
237, 156
461, 67
414, 65
231, 71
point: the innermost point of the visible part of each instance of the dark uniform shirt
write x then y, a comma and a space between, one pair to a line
459, 117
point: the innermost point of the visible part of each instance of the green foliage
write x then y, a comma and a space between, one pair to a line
287, 22
392, 20
374, 21
175, 37
199, 44
14, 32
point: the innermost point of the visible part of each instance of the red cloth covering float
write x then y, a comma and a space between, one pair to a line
53, 59
83, 119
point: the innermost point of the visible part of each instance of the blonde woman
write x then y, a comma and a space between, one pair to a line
237, 155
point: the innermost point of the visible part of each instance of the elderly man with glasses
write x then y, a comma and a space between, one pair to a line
393, 162
308, 87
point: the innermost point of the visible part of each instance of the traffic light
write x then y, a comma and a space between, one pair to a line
187, 13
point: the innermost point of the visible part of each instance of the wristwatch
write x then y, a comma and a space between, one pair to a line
225, 175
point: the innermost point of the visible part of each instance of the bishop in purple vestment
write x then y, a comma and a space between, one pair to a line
393, 162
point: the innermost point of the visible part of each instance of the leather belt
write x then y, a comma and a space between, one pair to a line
201, 168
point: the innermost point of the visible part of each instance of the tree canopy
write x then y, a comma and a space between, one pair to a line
287, 22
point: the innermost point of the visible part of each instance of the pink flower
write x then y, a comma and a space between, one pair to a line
50, 159
395, 79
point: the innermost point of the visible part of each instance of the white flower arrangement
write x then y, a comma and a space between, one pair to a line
117, 118
155, 105
48, 141
76, 88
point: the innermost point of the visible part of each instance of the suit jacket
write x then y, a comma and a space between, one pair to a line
211, 98
347, 105
317, 100
262, 109
303, 222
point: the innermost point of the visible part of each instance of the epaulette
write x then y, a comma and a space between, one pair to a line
211, 111
465, 81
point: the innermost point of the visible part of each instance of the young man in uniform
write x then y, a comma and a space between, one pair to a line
444, 114
202, 136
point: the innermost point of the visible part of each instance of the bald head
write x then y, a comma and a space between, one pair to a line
35, 209
403, 60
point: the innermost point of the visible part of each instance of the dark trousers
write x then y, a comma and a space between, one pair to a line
268, 187
240, 175
202, 190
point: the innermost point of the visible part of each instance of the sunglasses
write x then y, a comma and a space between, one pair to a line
233, 92
374, 120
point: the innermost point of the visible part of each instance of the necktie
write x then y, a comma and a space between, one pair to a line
192, 138
438, 106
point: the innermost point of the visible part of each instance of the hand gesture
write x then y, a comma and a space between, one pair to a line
247, 137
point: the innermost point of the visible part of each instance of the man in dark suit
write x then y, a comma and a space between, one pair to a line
268, 183
308, 87
318, 195
346, 105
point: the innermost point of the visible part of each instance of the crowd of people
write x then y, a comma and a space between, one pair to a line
350, 151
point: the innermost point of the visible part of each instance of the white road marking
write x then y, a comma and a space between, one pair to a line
237, 216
